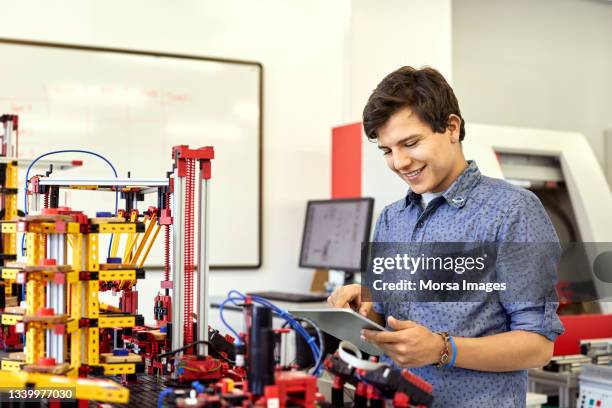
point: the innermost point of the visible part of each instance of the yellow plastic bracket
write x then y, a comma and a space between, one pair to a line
112, 228
151, 242
9, 227
117, 274
10, 365
116, 321
113, 369
93, 351
11, 319
10, 273
145, 237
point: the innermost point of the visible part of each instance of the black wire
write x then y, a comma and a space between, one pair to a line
195, 343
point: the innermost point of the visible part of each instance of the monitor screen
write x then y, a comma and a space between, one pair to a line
334, 231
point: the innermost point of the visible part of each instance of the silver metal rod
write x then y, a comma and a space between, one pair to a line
8, 138
61, 299
25, 162
53, 338
83, 303
60, 349
178, 235
47, 344
63, 259
61, 292
34, 202
203, 261
48, 297
54, 346
84, 359
55, 298
49, 245
92, 181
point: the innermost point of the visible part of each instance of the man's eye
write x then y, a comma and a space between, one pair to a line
386, 152
412, 144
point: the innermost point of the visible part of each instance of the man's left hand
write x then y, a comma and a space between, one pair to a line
409, 345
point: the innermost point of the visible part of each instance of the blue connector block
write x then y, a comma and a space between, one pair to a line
104, 214
113, 260
120, 352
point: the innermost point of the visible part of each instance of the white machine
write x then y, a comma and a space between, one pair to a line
559, 167
595, 387
577, 196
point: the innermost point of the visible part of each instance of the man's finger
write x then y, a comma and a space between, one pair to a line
341, 303
396, 324
365, 308
343, 300
380, 337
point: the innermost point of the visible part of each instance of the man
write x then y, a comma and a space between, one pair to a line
414, 117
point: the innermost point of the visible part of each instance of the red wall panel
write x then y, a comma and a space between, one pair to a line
346, 161
580, 327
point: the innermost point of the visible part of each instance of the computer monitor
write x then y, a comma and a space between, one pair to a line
333, 233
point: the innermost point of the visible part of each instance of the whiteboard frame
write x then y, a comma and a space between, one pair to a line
143, 53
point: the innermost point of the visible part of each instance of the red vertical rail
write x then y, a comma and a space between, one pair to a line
167, 241
189, 248
185, 163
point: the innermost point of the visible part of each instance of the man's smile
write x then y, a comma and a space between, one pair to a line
413, 174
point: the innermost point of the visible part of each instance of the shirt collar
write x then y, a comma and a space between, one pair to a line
457, 194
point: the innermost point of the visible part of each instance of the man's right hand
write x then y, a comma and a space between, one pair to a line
350, 296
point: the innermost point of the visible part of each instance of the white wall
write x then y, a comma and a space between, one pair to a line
383, 37
321, 59
541, 64
301, 45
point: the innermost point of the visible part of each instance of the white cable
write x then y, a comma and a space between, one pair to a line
355, 360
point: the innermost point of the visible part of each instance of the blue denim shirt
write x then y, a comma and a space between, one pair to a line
475, 208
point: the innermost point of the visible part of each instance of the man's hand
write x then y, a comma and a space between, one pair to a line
349, 296
410, 345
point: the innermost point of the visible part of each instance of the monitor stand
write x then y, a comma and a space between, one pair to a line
349, 278
338, 278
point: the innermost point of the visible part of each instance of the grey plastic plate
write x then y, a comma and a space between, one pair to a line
344, 324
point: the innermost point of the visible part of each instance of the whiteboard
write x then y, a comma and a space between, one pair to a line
132, 107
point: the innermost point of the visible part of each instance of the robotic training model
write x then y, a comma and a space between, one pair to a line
59, 343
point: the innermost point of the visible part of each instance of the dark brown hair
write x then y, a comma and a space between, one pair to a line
424, 91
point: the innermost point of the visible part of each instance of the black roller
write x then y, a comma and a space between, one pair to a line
260, 369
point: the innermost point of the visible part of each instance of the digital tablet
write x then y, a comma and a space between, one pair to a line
344, 324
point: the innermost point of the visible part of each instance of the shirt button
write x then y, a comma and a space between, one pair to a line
458, 200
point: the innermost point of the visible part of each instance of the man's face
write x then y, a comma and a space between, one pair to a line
427, 161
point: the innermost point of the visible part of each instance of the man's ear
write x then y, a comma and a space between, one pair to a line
454, 127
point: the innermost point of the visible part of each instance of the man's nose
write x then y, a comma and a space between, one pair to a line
401, 161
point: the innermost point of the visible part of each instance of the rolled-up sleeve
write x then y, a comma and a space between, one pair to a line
528, 257
537, 318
